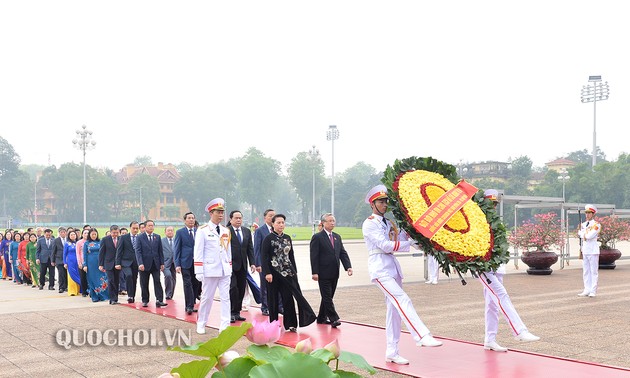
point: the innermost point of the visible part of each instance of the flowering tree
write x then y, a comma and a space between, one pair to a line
613, 230
544, 232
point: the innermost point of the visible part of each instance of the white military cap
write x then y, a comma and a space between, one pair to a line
491, 194
591, 208
377, 192
215, 204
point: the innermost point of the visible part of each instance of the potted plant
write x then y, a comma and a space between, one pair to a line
613, 230
536, 238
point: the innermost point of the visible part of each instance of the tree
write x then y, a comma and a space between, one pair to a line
9, 169
257, 175
306, 171
583, 156
143, 161
147, 190
522, 167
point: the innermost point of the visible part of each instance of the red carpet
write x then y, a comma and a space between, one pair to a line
454, 359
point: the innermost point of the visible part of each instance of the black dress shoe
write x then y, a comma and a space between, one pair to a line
160, 304
189, 310
324, 322
130, 300
113, 302
232, 319
145, 304
240, 318
60, 291
41, 287
51, 288
335, 324
195, 310
265, 312
169, 298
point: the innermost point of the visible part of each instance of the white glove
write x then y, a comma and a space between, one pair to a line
199, 277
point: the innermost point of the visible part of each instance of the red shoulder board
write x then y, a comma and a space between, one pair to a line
371, 217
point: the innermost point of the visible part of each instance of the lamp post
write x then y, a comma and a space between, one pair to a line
332, 135
141, 212
314, 155
84, 143
564, 176
592, 93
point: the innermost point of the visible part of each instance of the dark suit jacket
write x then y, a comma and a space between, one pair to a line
260, 235
241, 253
44, 253
184, 248
149, 254
168, 252
107, 253
325, 261
125, 254
57, 254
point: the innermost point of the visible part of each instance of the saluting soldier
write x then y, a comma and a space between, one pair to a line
213, 265
589, 231
383, 239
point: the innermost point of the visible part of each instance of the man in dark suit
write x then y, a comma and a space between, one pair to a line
57, 259
107, 262
260, 235
170, 277
126, 260
183, 257
150, 257
44, 259
242, 252
326, 252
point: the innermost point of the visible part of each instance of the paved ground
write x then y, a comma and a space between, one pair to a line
588, 329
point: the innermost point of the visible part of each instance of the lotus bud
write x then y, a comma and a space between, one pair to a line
304, 346
333, 348
262, 333
227, 357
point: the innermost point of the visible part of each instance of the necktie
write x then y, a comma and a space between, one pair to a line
115, 242
332, 240
218, 230
238, 235
587, 223
48, 243
170, 243
191, 234
385, 221
151, 238
133, 241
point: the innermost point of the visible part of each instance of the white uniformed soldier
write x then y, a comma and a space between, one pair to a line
497, 298
382, 240
589, 231
213, 265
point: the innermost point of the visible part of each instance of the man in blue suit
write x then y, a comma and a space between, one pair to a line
45, 248
150, 257
260, 235
126, 260
183, 253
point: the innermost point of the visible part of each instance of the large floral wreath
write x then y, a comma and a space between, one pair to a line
474, 239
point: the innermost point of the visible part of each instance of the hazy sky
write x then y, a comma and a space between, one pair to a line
202, 81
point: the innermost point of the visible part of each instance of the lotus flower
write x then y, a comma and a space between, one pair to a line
333, 348
226, 358
262, 333
304, 346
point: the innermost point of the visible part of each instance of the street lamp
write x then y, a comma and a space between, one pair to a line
564, 176
332, 134
597, 92
314, 155
84, 143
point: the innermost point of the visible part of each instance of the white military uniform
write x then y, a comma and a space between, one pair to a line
497, 299
433, 268
589, 231
386, 274
213, 259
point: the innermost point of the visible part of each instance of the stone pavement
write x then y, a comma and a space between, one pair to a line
586, 329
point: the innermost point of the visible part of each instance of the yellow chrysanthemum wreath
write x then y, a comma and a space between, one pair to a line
474, 239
